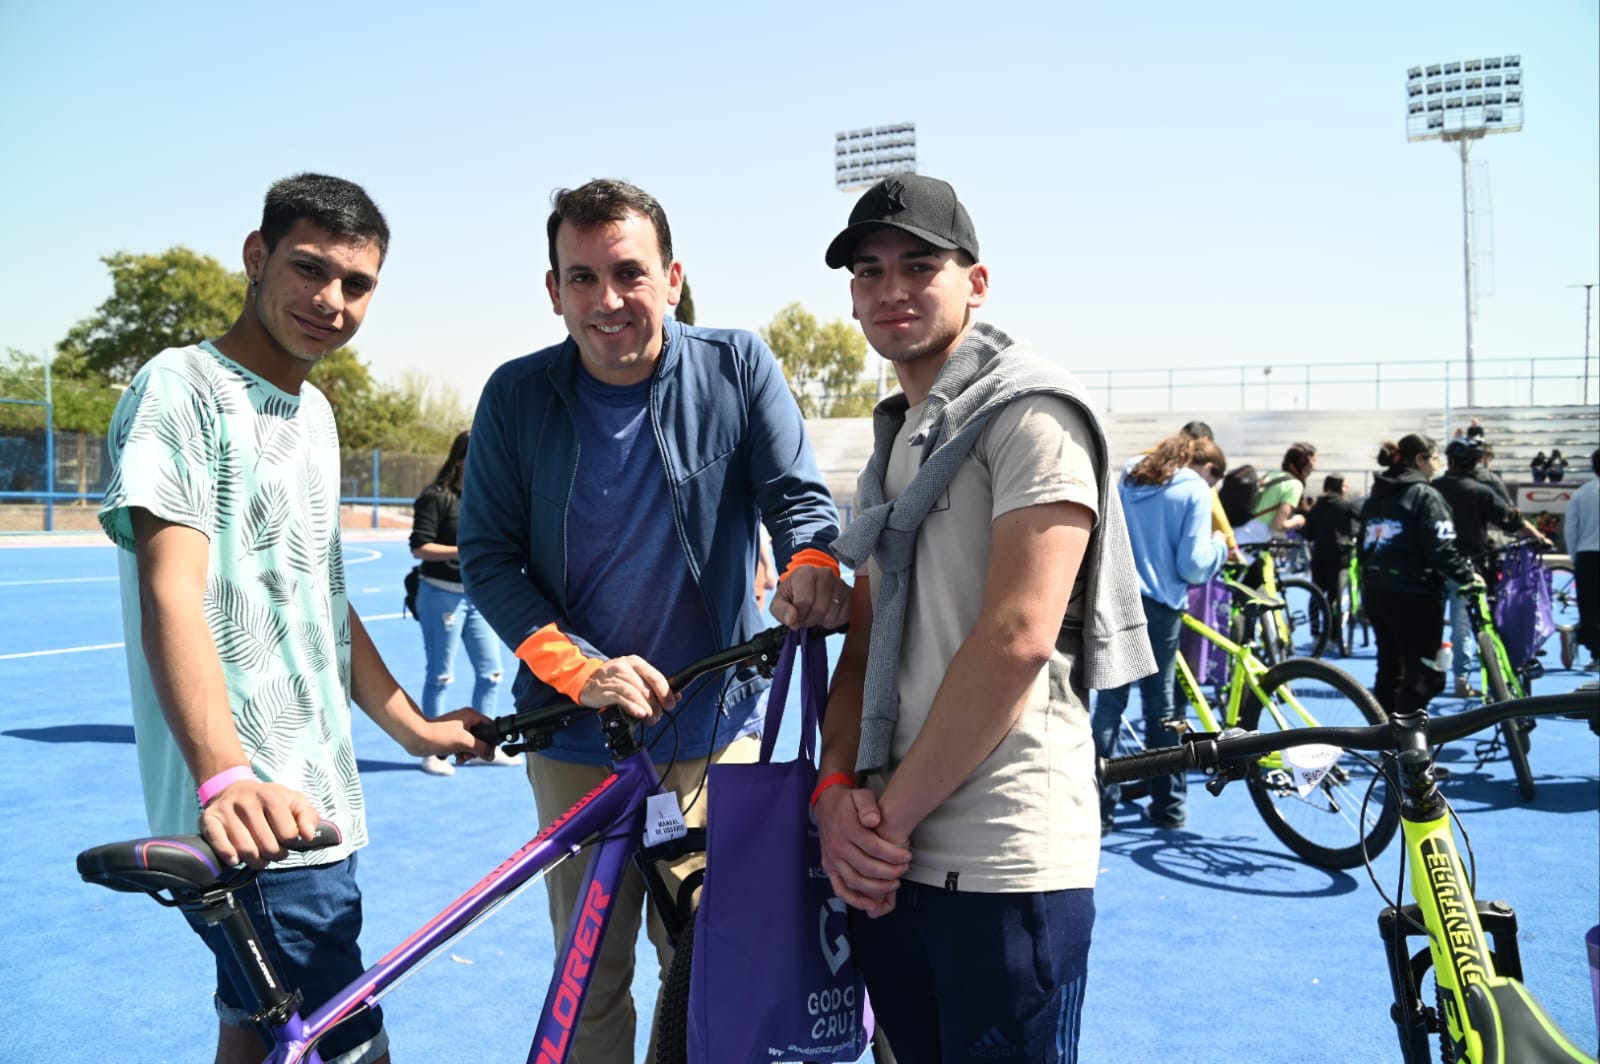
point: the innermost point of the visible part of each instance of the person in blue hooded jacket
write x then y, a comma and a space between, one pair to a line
1166, 494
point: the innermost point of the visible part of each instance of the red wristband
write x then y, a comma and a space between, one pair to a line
831, 780
222, 781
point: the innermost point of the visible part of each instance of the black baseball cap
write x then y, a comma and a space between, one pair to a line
925, 207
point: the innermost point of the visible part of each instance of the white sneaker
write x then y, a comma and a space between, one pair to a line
438, 766
500, 758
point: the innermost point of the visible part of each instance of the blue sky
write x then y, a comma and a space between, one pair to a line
1153, 185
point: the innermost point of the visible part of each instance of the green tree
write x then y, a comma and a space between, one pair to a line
173, 299
80, 402
822, 362
685, 310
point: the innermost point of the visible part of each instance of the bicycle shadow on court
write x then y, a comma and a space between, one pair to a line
75, 733
1232, 864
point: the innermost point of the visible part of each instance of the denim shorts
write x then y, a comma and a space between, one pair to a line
309, 920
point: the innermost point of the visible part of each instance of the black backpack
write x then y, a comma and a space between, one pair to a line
1240, 492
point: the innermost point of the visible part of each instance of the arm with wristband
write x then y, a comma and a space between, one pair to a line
863, 868
244, 820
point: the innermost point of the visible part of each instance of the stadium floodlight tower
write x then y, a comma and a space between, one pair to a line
862, 156
1458, 103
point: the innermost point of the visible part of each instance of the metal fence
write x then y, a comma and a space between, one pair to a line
36, 497
1438, 383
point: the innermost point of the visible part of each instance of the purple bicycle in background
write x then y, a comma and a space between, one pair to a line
183, 871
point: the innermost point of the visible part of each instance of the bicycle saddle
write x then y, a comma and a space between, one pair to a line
183, 864
1254, 599
1515, 1029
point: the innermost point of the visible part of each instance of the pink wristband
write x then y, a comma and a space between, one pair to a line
223, 780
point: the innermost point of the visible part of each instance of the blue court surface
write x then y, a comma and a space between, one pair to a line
1213, 943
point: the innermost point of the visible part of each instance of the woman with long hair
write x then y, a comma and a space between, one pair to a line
1166, 494
448, 617
1407, 553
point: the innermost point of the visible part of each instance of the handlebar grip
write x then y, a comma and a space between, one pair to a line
328, 834
1158, 761
487, 731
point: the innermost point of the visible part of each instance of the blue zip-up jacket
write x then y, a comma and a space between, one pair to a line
1170, 526
735, 452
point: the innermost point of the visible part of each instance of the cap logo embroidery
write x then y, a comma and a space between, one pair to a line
893, 190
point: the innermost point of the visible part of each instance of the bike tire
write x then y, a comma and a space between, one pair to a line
1324, 827
672, 1008
1513, 732
1310, 618
1563, 595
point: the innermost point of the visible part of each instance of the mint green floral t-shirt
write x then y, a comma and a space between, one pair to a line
200, 441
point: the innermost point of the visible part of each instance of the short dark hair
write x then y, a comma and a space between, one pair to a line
1594, 461
1332, 484
1197, 430
1298, 456
602, 201
341, 207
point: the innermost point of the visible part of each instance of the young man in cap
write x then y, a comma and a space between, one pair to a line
956, 800
243, 651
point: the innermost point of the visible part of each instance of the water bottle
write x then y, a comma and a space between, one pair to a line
1446, 655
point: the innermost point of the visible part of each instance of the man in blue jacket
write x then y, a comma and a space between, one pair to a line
609, 532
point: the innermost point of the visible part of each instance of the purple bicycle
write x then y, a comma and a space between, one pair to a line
183, 871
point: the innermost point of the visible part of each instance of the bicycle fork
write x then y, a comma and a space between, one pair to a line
1463, 956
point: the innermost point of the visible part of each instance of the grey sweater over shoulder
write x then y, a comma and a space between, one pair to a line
987, 370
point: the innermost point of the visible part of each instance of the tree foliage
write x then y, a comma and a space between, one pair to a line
685, 308
80, 402
173, 299
822, 362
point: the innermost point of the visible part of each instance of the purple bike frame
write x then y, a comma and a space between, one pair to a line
613, 812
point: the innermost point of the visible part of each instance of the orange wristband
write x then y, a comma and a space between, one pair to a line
831, 780
812, 556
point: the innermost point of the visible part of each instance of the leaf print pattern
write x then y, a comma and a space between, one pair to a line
264, 521
197, 434
316, 642
271, 719
279, 586
246, 633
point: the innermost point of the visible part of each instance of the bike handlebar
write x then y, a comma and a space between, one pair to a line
1210, 751
763, 648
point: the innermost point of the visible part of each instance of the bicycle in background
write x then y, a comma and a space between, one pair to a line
1479, 1012
1322, 819
182, 871
1301, 625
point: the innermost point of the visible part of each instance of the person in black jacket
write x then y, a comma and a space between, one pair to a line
449, 618
1482, 517
1332, 526
1407, 552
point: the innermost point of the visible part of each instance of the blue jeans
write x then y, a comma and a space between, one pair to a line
309, 921
1463, 643
1167, 793
956, 975
450, 620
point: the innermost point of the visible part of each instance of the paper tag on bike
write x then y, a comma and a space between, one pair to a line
663, 819
1308, 764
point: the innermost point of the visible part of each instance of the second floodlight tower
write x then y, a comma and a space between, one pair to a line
1459, 103
862, 157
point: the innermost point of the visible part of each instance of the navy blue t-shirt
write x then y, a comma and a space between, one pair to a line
629, 590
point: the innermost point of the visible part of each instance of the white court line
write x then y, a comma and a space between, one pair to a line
63, 580
63, 650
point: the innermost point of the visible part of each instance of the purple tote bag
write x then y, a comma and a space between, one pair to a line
1209, 604
1522, 613
773, 978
